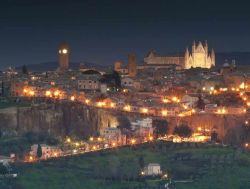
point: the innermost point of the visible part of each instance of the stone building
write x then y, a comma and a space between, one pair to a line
199, 57
63, 57
132, 70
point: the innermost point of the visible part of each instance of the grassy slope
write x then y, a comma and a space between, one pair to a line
212, 167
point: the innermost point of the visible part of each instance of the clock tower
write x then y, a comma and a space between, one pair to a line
63, 57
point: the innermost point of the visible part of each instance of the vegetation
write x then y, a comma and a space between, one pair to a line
39, 152
113, 80
200, 104
160, 127
209, 166
25, 70
183, 131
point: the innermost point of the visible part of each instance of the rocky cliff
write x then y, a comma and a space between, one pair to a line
58, 120
69, 119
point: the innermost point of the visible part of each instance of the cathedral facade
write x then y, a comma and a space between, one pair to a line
199, 57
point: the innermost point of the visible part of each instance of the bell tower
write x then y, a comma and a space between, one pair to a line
132, 65
63, 57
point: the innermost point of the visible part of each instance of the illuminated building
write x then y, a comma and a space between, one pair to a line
199, 57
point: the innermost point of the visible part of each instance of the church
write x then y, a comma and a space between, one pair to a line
198, 58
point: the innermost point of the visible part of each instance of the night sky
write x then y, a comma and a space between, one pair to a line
107, 30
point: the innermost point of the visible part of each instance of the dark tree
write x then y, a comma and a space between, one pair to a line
39, 152
183, 131
3, 169
214, 136
141, 161
160, 127
200, 103
113, 80
117, 79
24, 69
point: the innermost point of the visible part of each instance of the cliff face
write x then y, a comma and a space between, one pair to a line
59, 120
76, 120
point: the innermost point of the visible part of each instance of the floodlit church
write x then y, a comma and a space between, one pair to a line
199, 57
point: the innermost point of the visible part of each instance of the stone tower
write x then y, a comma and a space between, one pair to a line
63, 57
132, 65
118, 66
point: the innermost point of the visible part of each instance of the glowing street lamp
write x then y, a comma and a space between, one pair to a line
87, 101
127, 108
48, 93
72, 98
56, 93
164, 112
112, 105
133, 141
144, 110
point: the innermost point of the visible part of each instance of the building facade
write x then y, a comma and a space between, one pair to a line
198, 58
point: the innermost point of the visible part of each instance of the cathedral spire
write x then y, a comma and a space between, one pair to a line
193, 47
206, 47
187, 52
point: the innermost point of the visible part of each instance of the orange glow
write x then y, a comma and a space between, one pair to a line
112, 105
245, 98
248, 103
175, 99
185, 107
221, 111
193, 111
246, 122
72, 98
31, 158
91, 138
113, 144
127, 108
133, 141
181, 115
199, 128
242, 85
48, 93
94, 147
31, 93
87, 101
151, 138
56, 93
246, 145
99, 139
144, 110
165, 100
25, 90
164, 112
100, 104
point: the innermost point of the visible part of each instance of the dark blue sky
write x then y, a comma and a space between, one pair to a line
106, 30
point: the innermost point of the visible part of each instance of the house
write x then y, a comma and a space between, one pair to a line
153, 169
5, 160
127, 82
47, 151
143, 128
112, 134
